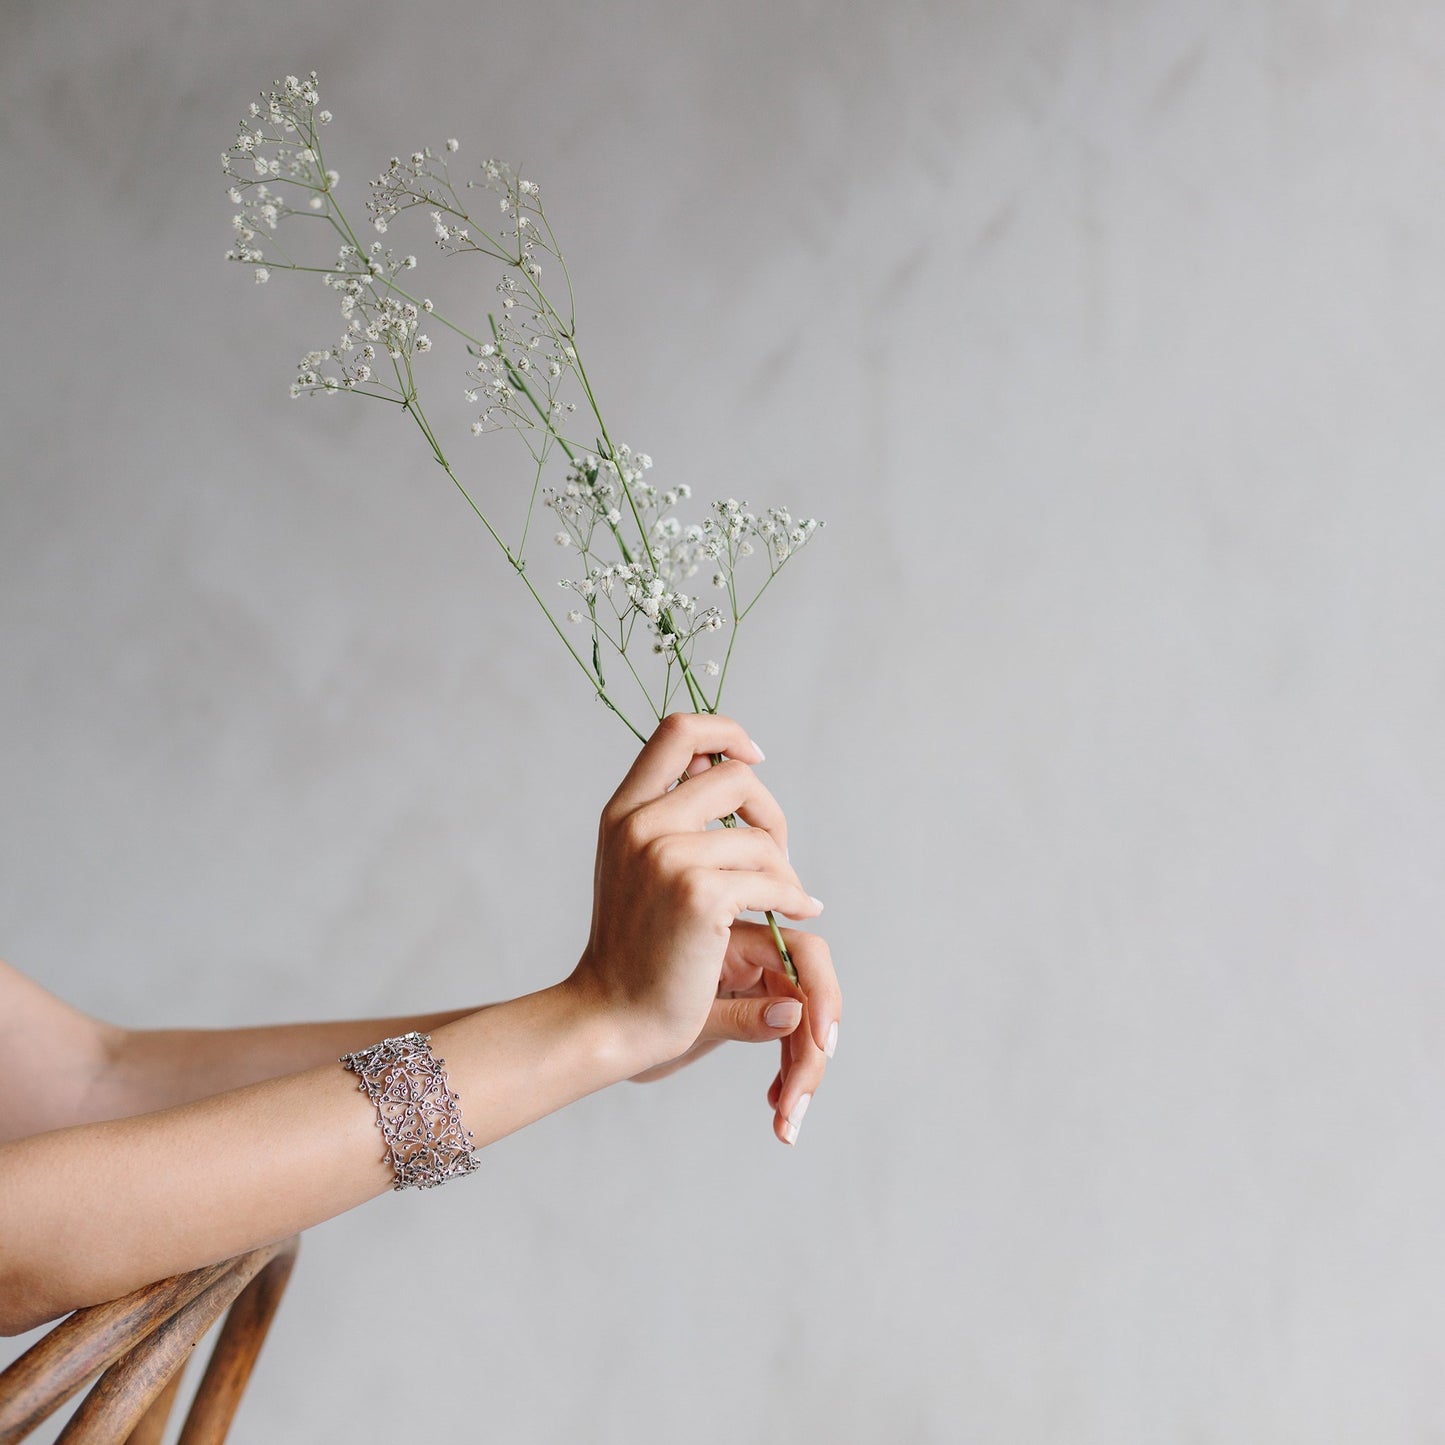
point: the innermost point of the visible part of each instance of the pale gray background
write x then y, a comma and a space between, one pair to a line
1108, 710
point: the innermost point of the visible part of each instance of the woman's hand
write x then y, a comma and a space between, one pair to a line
757, 1003
667, 954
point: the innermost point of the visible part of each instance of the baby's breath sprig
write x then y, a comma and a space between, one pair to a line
630, 600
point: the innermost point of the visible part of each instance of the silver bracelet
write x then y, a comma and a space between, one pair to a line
416, 1111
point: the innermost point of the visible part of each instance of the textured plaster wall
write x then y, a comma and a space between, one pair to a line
1108, 710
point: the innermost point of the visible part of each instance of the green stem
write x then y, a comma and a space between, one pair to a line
420, 419
408, 400
732, 821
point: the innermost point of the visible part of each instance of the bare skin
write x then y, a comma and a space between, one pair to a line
234, 1138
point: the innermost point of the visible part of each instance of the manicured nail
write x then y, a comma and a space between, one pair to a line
816, 902
783, 1014
762, 756
831, 1047
795, 1119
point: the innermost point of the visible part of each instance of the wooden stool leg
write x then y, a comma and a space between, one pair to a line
152, 1427
80, 1347
234, 1355
122, 1395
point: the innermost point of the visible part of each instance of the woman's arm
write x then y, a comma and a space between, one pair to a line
60, 1067
152, 1069
92, 1211
52, 1058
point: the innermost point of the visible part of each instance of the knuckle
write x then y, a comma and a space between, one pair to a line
695, 892
633, 832
659, 853
737, 778
742, 1018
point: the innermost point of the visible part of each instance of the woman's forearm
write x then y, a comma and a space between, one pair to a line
91, 1212
151, 1069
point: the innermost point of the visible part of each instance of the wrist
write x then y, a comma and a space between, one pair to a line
514, 1062
625, 1038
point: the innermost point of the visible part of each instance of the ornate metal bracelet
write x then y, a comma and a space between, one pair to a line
416, 1110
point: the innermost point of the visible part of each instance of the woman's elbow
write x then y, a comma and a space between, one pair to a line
24, 1308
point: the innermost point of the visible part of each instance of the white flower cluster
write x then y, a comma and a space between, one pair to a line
534, 353
732, 533
378, 320
276, 158
518, 375
636, 557
634, 593
607, 499
279, 142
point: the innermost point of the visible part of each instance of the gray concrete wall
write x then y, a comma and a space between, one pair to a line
1108, 710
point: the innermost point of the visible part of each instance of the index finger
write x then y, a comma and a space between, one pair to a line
678, 739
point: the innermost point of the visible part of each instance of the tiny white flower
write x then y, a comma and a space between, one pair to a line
477, 428
262, 275
423, 343
453, 144
710, 668
324, 117
574, 616
562, 539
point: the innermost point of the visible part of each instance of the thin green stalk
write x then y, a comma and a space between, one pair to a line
419, 417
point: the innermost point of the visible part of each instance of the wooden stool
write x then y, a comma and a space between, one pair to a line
142, 1343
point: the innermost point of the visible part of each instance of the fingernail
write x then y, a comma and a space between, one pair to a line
784, 1014
762, 756
831, 1047
816, 902
795, 1119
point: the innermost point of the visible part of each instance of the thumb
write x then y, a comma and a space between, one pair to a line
751, 1020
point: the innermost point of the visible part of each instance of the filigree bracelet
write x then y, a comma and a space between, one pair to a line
416, 1111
